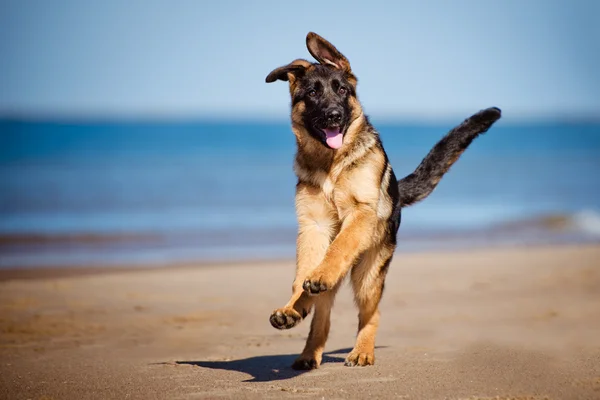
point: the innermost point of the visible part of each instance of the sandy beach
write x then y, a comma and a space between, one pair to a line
519, 323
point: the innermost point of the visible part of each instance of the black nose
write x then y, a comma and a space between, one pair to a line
334, 116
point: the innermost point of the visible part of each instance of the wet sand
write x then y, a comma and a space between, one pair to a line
487, 324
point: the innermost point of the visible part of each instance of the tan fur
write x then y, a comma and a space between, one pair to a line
343, 211
348, 200
342, 208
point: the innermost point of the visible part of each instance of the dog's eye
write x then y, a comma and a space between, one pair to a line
312, 93
342, 91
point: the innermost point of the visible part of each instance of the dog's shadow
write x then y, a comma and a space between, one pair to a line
264, 368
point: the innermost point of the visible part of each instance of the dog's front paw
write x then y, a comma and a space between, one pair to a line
304, 364
285, 318
359, 359
315, 286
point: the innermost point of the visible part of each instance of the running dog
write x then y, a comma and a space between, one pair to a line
348, 200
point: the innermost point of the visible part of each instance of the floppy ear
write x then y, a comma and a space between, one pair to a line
326, 53
293, 69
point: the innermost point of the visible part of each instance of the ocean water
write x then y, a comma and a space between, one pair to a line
127, 193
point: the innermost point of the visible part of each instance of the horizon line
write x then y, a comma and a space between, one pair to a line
419, 118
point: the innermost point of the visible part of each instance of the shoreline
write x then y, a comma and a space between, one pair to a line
138, 249
24, 262
52, 272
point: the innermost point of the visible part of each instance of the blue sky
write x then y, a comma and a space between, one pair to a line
414, 59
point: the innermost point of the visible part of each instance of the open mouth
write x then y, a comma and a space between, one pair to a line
334, 137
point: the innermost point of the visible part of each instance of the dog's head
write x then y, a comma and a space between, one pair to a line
323, 94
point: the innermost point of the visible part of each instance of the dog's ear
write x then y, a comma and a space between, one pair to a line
326, 53
288, 72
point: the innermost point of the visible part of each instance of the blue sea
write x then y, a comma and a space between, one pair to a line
83, 193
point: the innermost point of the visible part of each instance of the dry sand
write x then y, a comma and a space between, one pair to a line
493, 324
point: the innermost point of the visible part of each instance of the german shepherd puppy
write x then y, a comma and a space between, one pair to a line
348, 200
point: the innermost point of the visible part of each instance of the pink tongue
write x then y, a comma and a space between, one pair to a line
334, 138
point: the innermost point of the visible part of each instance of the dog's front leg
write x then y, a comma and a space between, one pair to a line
317, 225
356, 236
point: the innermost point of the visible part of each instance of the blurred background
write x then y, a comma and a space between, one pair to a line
142, 132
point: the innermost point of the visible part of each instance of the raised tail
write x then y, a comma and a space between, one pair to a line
418, 185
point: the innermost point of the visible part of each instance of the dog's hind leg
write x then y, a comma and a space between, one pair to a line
317, 226
368, 278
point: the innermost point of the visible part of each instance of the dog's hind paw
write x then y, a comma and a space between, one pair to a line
359, 359
285, 318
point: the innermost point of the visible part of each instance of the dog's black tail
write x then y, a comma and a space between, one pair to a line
424, 179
